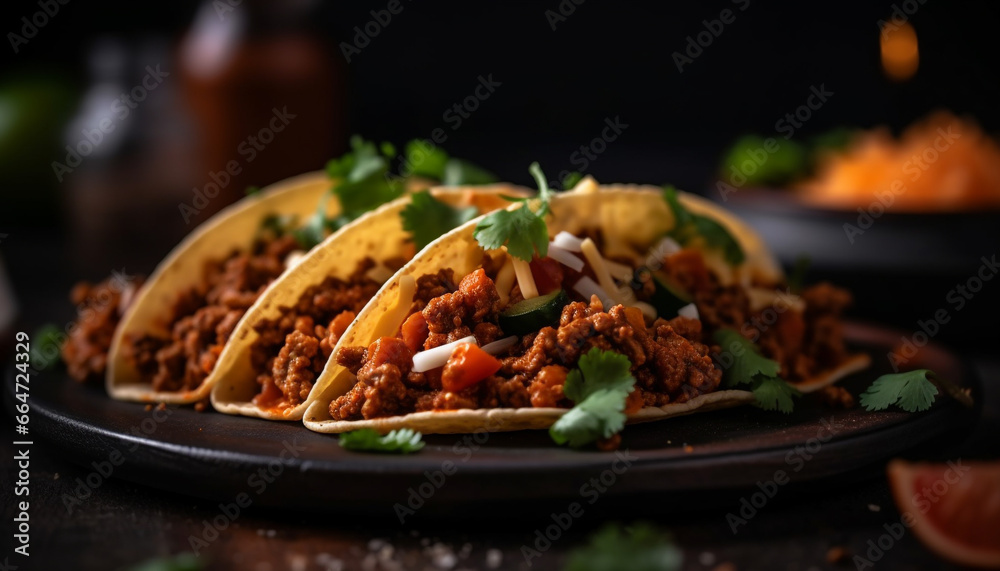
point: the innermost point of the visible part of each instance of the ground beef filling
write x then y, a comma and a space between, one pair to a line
203, 317
668, 360
805, 344
99, 308
291, 350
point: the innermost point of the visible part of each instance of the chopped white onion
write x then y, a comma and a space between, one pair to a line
438, 356
500, 345
567, 241
690, 311
588, 287
667, 246
564, 257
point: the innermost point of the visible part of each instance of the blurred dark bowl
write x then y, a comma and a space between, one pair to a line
902, 267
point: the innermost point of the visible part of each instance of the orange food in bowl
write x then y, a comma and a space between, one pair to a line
943, 163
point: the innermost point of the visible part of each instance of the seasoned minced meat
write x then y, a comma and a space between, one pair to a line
203, 317
803, 343
99, 308
291, 350
668, 367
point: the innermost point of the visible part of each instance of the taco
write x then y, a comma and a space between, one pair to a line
168, 342
503, 323
284, 343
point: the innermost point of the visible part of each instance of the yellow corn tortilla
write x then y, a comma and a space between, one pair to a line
631, 219
379, 235
233, 228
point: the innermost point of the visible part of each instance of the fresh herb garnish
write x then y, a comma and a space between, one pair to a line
599, 388
46, 346
571, 179
252, 190
522, 230
458, 173
363, 183
425, 159
403, 441
639, 547
427, 218
689, 226
912, 391
751, 368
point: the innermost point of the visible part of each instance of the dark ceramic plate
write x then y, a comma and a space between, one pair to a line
685, 460
903, 267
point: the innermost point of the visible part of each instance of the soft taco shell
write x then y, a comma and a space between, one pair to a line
629, 217
379, 235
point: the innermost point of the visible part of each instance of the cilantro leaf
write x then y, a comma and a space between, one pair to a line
689, 227
598, 370
360, 196
748, 367
571, 180
773, 393
599, 388
427, 218
911, 391
522, 230
403, 440
252, 190
458, 172
425, 159
362, 183
747, 362
640, 547
544, 193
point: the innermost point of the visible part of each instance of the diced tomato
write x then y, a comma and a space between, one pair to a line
390, 350
414, 331
548, 274
340, 323
467, 366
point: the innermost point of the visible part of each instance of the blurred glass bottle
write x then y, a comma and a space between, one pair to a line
126, 159
266, 94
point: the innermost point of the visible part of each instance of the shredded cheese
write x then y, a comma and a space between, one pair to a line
524, 278
392, 320
505, 281
589, 249
620, 272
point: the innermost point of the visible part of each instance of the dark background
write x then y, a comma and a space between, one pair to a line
558, 87
606, 60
